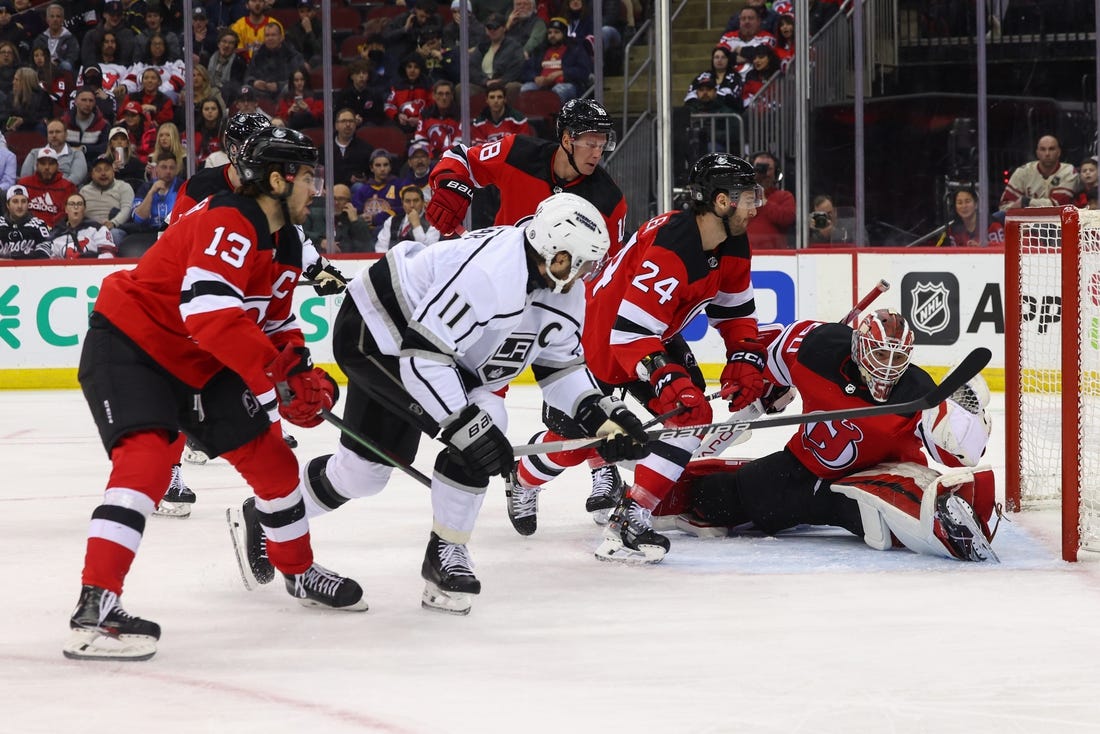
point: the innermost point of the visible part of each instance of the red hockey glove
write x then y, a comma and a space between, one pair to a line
304, 390
743, 378
674, 388
448, 206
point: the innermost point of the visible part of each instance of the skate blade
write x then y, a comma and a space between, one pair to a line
236, 533
981, 550
91, 644
178, 510
698, 528
449, 602
612, 550
600, 517
359, 606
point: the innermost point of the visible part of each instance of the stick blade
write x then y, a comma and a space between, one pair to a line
971, 365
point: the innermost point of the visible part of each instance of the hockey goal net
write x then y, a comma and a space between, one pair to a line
1052, 368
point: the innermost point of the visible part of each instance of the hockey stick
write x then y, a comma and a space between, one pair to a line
970, 366
381, 453
881, 287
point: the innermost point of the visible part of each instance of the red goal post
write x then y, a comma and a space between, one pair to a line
1052, 368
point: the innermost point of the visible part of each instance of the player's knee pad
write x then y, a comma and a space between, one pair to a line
267, 464
142, 461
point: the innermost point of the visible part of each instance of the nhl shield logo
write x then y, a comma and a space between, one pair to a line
930, 312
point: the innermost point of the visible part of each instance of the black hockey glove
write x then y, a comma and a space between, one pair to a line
480, 444
608, 418
327, 280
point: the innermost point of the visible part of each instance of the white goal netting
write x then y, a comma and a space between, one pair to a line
1047, 364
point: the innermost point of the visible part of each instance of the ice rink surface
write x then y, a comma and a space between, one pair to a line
810, 632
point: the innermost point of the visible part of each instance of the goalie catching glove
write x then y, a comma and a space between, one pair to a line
448, 206
606, 417
304, 390
674, 388
743, 377
481, 446
327, 280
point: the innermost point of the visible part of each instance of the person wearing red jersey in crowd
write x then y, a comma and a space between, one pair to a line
200, 337
866, 475
963, 229
155, 104
498, 118
773, 224
528, 170
439, 124
748, 33
46, 188
678, 264
410, 94
784, 37
76, 236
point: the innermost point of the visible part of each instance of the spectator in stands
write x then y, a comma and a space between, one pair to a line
154, 103
204, 38
91, 77
409, 95
727, 82
962, 231
417, 168
351, 157
500, 58
305, 34
250, 28
299, 106
366, 99
765, 65
85, 126
72, 164
153, 203
769, 19
23, 236
475, 30
129, 161
558, 65
578, 16
440, 125
173, 72
749, 33
227, 67
704, 98
440, 63
525, 27
9, 166
224, 13
12, 31
169, 144
246, 102
382, 65
692, 137
9, 62
784, 37
377, 198
498, 118
272, 64
171, 13
58, 84
773, 224
46, 188
409, 223
203, 90
1042, 182
31, 18
1087, 186
401, 34
107, 198
111, 21
141, 135
351, 233
78, 236
824, 225
154, 26
62, 46
208, 130
484, 8
29, 106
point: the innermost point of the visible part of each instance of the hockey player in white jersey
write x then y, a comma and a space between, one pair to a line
428, 337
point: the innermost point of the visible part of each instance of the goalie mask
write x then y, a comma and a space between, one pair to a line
881, 348
568, 223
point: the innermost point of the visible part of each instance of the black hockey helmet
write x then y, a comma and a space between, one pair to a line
279, 149
238, 128
580, 116
717, 173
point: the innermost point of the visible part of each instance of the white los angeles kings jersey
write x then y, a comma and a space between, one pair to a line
459, 316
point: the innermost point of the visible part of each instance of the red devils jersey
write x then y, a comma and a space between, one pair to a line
660, 280
816, 359
207, 182
523, 169
212, 292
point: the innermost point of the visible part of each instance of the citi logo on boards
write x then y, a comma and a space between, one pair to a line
930, 302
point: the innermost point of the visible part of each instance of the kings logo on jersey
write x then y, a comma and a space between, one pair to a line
509, 359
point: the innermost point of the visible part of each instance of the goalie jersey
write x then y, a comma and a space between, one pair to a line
816, 358
473, 314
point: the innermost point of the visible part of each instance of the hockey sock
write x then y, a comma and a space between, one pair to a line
537, 469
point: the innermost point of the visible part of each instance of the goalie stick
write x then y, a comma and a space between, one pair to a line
970, 366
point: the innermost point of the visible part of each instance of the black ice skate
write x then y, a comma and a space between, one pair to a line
962, 530
103, 630
319, 587
449, 574
523, 505
607, 490
249, 544
290, 440
630, 538
177, 500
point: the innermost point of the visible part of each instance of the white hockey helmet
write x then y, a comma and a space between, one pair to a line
568, 223
881, 347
